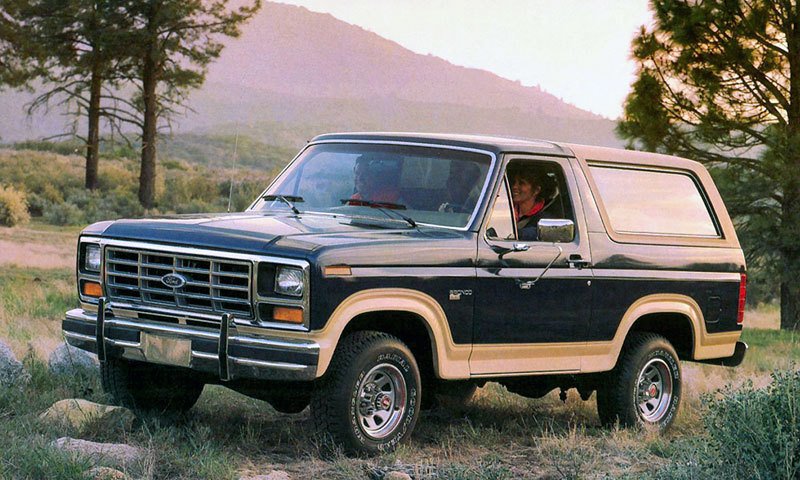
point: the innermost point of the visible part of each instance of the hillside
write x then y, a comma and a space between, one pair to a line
295, 73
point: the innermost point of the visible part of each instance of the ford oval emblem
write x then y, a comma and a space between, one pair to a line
173, 280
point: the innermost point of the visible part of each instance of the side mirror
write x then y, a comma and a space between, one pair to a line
556, 230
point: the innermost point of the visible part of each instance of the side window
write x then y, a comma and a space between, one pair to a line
538, 191
501, 225
653, 202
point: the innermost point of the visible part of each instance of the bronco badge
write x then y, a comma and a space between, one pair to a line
456, 294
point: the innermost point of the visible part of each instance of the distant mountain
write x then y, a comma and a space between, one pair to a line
295, 73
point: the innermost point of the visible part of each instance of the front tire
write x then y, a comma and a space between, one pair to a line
368, 401
644, 389
148, 388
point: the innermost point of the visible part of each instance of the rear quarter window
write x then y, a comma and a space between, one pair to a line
654, 202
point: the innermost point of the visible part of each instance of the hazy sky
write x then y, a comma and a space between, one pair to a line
578, 50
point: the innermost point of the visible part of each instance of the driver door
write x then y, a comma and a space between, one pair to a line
533, 302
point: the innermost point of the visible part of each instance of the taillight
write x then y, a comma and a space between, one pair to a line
742, 298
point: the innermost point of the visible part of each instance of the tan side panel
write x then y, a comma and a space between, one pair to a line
450, 361
602, 356
513, 358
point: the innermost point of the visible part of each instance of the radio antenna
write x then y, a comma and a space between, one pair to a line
233, 168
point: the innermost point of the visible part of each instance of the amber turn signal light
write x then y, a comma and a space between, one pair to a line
287, 314
338, 271
92, 289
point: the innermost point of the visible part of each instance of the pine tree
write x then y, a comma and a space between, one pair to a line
76, 50
719, 81
175, 42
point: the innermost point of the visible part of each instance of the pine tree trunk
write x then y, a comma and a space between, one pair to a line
93, 138
147, 175
790, 217
790, 305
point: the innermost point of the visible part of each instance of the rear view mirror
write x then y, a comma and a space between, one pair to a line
556, 230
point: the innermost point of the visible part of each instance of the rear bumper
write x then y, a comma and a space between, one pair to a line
733, 361
223, 352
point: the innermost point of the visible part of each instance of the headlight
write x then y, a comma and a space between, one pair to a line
289, 281
91, 260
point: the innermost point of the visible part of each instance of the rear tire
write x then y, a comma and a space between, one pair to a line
148, 388
644, 389
368, 401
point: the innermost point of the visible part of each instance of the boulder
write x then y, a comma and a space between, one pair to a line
104, 473
69, 360
118, 454
79, 413
11, 370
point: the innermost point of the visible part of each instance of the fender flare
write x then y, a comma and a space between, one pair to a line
704, 345
449, 360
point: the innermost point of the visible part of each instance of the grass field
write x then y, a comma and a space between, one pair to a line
497, 436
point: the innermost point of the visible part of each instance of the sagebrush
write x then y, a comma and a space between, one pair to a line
749, 433
13, 207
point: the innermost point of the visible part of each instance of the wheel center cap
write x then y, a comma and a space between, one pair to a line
652, 391
383, 402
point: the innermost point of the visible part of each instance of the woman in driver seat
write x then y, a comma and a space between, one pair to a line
532, 192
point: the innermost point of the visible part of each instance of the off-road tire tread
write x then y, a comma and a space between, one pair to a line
333, 387
611, 398
114, 378
130, 391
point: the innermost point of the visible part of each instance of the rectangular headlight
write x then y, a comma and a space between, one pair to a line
289, 281
91, 258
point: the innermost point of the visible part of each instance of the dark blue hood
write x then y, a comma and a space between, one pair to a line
263, 233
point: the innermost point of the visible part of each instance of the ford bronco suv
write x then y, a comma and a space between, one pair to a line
379, 272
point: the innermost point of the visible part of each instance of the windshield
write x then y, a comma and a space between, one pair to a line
433, 186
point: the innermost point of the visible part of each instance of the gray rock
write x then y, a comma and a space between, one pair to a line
11, 370
118, 454
272, 475
104, 473
68, 360
79, 413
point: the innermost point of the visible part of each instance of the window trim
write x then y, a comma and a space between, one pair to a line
567, 169
655, 238
473, 219
490, 210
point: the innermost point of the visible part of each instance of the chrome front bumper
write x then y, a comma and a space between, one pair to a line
224, 352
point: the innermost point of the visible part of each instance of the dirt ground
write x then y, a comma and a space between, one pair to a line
38, 247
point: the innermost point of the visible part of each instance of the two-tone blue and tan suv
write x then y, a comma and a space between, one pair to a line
379, 271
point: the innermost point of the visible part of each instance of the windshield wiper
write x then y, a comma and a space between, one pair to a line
384, 207
287, 199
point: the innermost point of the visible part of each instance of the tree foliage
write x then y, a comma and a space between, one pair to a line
76, 50
175, 42
719, 81
88, 53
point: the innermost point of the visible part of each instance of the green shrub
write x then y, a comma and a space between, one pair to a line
71, 147
750, 433
757, 432
13, 207
64, 214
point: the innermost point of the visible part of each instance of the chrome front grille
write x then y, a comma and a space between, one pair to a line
213, 286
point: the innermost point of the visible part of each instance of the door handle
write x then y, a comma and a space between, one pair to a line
526, 285
576, 261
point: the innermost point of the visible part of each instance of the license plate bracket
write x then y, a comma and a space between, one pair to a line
167, 350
